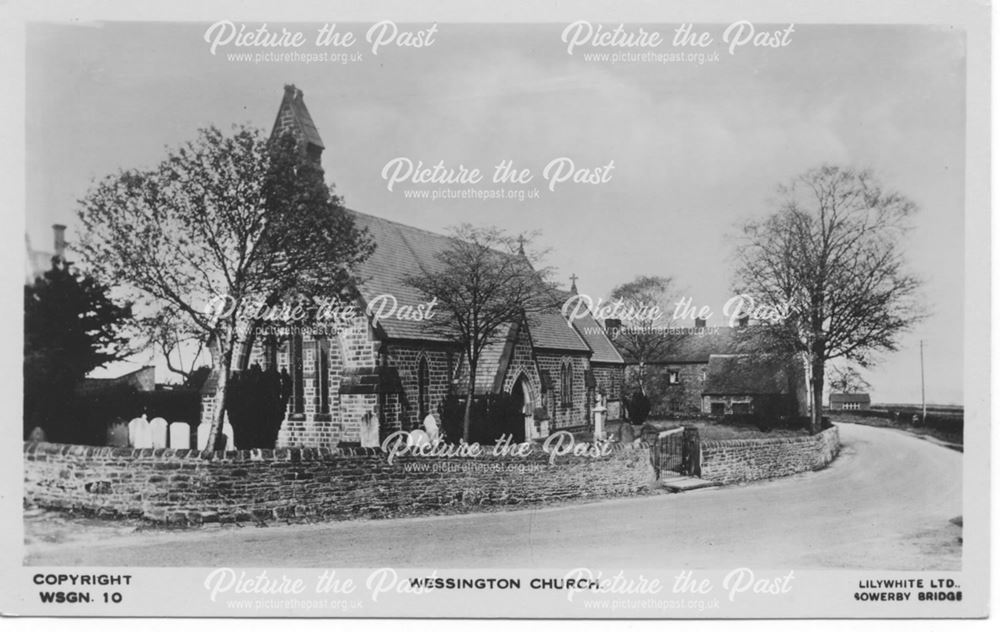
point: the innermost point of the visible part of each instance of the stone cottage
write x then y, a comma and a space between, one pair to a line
355, 382
761, 384
711, 370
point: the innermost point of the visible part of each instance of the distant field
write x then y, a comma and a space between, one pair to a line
946, 409
946, 425
714, 430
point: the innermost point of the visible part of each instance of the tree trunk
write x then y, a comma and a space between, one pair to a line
816, 420
467, 419
224, 360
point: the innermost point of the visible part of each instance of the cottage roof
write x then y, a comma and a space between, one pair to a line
692, 345
844, 398
750, 375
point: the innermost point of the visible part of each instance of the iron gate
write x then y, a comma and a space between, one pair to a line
668, 451
676, 450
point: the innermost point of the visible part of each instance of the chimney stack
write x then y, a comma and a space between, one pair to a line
59, 236
613, 327
743, 321
699, 323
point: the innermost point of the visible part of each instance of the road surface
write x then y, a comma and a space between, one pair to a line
885, 503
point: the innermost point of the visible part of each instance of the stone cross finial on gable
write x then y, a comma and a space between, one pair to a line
520, 245
573, 279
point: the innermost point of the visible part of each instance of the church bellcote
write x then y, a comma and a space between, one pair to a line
293, 116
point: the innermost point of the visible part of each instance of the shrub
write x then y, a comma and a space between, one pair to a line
492, 415
256, 401
638, 407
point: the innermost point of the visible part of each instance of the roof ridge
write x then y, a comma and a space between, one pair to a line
398, 223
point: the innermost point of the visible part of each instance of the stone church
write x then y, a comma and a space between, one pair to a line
367, 379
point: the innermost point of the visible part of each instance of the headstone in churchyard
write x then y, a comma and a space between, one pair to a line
431, 428
417, 437
369, 431
158, 432
37, 434
227, 432
203, 429
139, 435
117, 436
180, 435
626, 433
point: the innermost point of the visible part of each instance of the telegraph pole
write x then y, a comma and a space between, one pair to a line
923, 400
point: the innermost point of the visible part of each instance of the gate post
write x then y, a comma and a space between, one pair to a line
691, 455
654, 456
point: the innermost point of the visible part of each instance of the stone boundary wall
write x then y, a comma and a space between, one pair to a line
742, 460
192, 486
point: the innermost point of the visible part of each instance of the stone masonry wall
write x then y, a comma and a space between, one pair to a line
189, 486
666, 398
572, 414
406, 357
611, 381
741, 460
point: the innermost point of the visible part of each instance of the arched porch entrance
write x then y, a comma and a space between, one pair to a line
525, 399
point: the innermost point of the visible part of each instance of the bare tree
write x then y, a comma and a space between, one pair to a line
484, 282
644, 301
221, 222
847, 379
170, 334
832, 256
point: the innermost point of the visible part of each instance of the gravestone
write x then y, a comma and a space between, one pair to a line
626, 433
431, 428
117, 435
369, 431
180, 435
139, 435
227, 432
158, 432
203, 430
417, 437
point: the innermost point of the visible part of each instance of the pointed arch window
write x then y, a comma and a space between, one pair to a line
298, 388
423, 388
323, 376
566, 385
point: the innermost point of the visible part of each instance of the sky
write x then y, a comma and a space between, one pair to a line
697, 148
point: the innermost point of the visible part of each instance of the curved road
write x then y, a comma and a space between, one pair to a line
885, 503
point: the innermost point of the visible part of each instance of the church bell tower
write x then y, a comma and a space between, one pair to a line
293, 116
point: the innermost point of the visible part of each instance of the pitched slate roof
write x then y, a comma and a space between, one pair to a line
593, 334
692, 346
751, 375
840, 398
549, 330
399, 251
402, 250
